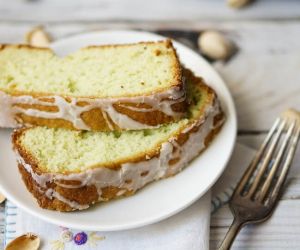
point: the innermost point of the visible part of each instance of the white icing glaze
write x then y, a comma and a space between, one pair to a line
121, 192
156, 167
71, 112
50, 193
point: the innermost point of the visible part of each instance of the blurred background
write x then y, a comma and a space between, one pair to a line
64, 17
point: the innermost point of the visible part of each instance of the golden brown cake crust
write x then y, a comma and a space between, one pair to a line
98, 114
86, 195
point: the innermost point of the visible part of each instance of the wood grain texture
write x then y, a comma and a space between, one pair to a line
281, 231
2, 224
263, 77
104, 10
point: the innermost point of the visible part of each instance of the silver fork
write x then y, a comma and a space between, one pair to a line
256, 195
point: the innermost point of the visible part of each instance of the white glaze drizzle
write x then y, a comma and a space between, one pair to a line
50, 193
156, 167
71, 112
111, 127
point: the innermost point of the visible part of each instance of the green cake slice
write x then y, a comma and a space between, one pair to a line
67, 170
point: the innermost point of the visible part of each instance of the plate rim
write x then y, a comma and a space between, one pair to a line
137, 224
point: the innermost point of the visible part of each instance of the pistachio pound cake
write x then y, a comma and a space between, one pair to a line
67, 170
98, 88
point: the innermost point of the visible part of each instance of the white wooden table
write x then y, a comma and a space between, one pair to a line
264, 76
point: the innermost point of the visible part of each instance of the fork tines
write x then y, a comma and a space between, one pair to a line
255, 196
267, 172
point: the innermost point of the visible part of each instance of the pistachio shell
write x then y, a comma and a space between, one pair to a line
38, 37
2, 198
27, 241
215, 45
238, 3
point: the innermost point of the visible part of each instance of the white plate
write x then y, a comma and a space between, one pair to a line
158, 200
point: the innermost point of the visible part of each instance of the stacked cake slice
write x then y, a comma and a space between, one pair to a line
104, 88
108, 119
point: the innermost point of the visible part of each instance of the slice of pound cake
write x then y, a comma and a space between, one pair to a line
68, 170
99, 88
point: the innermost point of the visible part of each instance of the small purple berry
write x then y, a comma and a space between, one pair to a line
80, 238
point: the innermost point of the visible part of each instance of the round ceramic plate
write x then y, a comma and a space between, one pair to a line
156, 201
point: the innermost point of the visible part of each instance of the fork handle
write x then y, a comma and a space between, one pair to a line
231, 234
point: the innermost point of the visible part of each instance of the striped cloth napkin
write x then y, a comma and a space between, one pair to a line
188, 229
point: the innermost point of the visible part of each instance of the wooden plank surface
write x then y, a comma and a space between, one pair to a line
281, 231
107, 10
2, 224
